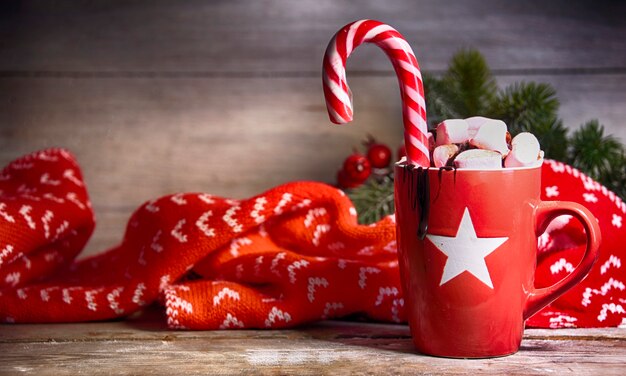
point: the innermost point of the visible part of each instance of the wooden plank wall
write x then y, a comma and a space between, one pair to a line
155, 97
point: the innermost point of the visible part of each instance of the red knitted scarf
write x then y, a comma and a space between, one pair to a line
291, 255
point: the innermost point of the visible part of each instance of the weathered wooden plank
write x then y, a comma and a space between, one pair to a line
288, 36
138, 139
296, 357
331, 347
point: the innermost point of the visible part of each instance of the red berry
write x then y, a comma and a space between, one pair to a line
357, 168
379, 155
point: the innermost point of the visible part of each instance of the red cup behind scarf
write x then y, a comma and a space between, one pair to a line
467, 243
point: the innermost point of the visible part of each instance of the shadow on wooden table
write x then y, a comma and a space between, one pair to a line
376, 336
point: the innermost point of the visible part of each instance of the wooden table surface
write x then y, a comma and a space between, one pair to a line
144, 346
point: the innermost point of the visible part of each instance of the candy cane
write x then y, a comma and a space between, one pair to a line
338, 95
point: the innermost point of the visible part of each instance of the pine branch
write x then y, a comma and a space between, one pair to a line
599, 156
523, 105
470, 83
466, 89
617, 180
373, 200
438, 100
552, 136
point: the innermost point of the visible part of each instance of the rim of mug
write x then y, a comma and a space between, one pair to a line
403, 162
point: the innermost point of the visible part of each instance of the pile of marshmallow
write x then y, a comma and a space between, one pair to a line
482, 143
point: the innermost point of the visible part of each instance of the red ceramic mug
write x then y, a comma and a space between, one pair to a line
467, 242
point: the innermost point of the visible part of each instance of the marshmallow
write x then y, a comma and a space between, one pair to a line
474, 123
491, 136
479, 159
443, 153
452, 131
525, 151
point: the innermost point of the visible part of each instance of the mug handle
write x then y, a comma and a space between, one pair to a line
545, 212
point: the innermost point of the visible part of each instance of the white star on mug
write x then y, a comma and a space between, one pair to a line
466, 251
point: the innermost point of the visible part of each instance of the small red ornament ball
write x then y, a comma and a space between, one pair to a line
379, 155
357, 168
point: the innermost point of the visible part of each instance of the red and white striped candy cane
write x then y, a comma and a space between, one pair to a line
339, 97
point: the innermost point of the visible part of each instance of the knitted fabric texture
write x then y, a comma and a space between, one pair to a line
289, 256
